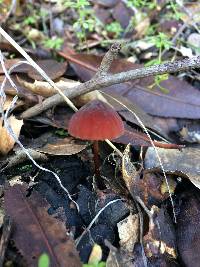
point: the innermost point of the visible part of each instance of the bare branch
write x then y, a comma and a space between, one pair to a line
100, 82
107, 60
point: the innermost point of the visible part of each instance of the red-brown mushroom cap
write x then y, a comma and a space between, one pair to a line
96, 121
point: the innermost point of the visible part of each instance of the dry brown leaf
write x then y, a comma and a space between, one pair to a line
63, 146
44, 88
36, 232
184, 163
9, 100
142, 27
128, 230
6, 140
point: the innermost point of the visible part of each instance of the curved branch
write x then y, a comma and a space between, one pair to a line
102, 81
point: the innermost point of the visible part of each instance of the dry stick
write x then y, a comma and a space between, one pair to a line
107, 60
111, 79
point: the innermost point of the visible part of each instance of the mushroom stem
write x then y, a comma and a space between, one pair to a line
96, 158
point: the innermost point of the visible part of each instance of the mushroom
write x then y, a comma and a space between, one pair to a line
96, 121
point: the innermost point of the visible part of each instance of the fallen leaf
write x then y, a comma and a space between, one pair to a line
136, 138
6, 140
151, 188
8, 101
53, 68
44, 89
183, 163
122, 14
128, 230
63, 146
105, 3
28, 97
36, 232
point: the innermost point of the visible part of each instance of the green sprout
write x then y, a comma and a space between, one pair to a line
86, 20
142, 3
61, 133
26, 168
30, 20
115, 28
97, 264
54, 43
136, 3
161, 41
44, 260
175, 8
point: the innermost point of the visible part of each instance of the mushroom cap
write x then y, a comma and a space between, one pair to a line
96, 121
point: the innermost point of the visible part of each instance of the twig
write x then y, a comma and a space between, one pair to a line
107, 60
111, 79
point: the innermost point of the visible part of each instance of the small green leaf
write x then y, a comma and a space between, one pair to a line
44, 260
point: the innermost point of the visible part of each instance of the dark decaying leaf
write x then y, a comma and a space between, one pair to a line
184, 162
122, 14
137, 138
182, 101
30, 99
52, 68
133, 137
188, 231
121, 103
36, 232
59, 118
151, 188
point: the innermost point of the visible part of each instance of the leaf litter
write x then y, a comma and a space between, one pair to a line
169, 117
